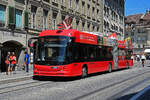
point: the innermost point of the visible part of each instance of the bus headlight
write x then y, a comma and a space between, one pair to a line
64, 67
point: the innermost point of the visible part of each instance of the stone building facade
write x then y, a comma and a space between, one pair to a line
13, 37
137, 27
114, 18
23, 19
87, 15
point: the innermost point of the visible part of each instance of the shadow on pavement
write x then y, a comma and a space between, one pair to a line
127, 97
55, 79
147, 66
65, 79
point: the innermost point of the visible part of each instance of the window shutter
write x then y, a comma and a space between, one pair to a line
11, 16
25, 19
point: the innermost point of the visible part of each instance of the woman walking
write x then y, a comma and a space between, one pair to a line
7, 62
13, 62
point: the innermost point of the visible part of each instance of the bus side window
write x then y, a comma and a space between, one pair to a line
92, 53
99, 54
75, 53
78, 53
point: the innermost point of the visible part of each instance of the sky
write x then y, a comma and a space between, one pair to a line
136, 6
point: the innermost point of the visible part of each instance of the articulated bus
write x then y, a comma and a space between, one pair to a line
69, 53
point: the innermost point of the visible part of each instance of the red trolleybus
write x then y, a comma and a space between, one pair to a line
124, 53
71, 53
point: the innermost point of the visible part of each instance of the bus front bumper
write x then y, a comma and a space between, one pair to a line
55, 73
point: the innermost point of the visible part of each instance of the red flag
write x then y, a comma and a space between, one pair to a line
66, 24
113, 36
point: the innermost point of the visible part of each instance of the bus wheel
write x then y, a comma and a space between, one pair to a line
84, 72
110, 68
127, 65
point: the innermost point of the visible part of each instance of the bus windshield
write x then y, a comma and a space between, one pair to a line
51, 50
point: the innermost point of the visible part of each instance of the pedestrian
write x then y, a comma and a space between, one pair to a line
138, 58
13, 62
132, 57
143, 58
27, 61
7, 62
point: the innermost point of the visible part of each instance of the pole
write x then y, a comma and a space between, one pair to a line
26, 5
26, 38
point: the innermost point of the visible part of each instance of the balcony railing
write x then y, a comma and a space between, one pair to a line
88, 17
63, 7
98, 20
94, 1
77, 14
83, 16
55, 4
70, 11
93, 18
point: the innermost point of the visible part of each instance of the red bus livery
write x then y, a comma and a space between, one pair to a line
71, 53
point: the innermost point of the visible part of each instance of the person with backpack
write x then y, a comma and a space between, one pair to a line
13, 62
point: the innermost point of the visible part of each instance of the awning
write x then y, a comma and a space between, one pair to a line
147, 50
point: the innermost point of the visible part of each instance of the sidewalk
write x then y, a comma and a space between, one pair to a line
19, 76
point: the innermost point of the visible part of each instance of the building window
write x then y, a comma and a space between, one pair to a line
20, 1
93, 12
77, 4
70, 3
83, 24
88, 26
105, 24
63, 17
138, 39
33, 16
77, 23
132, 33
54, 20
83, 7
93, 27
88, 10
45, 19
97, 12
132, 39
54, 0
97, 29
2, 14
54, 24
62, 2
46, 1
18, 18
141, 31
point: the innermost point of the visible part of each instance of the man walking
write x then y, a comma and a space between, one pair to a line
27, 61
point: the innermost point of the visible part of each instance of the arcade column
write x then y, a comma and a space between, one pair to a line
0, 56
